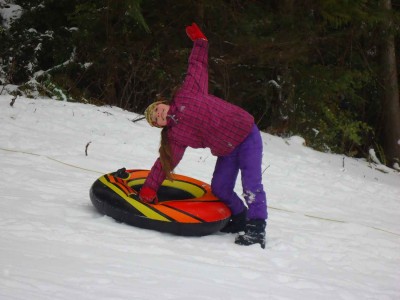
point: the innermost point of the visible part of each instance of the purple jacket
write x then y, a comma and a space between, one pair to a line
200, 120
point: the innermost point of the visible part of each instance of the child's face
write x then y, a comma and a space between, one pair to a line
159, 114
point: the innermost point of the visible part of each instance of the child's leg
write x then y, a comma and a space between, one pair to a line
250, 159
224, 179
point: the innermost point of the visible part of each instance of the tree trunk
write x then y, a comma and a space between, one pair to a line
390, 101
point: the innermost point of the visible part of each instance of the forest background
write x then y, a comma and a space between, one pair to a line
322, 69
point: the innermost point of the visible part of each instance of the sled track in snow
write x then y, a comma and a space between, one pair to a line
270, 207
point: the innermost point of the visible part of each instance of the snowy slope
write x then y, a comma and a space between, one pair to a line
333, 228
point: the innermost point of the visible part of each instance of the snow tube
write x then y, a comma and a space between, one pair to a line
186, 206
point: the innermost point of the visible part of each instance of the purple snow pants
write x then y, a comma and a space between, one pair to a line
247, 158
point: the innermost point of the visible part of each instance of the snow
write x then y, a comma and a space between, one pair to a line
373, 156
9, 12
333, 228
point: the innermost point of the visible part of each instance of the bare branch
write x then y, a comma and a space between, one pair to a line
86, 148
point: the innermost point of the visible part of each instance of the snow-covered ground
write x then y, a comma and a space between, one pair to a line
333, 228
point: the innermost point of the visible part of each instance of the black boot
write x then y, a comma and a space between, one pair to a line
237, 223
254, 234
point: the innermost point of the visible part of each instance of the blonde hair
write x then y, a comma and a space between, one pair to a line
165, 148
165, 154
149, 111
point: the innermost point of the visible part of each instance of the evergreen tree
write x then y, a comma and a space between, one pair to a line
311, 68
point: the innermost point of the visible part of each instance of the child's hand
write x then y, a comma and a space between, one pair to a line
148, 195
194, 33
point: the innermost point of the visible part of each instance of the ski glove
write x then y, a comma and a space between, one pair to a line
148, 195
194, 33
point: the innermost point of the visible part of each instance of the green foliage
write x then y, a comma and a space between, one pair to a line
300, 67
338, 133
330, 112
37, 41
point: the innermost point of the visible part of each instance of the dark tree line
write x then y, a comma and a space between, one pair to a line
324, 69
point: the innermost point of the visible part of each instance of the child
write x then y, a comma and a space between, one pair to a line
197, 119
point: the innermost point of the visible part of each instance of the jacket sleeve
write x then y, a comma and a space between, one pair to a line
156, 175
196, 78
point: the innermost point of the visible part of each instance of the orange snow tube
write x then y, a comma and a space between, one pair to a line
186, 206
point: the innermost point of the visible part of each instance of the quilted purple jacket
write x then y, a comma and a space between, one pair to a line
200, 120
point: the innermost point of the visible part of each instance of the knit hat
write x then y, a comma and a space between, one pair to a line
149, 111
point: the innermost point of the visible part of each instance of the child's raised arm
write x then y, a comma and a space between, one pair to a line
197, 75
